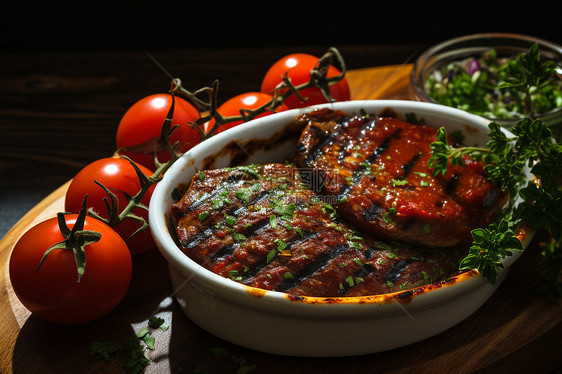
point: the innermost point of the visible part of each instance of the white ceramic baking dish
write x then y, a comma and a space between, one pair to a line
277, 323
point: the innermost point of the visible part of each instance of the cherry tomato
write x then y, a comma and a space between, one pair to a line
297, 66
143, 121
248, 100
52, 291
118, 175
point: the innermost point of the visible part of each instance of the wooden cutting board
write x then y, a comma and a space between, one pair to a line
517, 330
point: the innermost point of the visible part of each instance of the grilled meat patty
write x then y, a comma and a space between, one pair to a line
262, 226
377, 170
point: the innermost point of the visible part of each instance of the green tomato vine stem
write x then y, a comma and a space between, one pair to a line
209, 108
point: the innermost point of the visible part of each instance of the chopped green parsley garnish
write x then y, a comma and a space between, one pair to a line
244, 194
238, 237
250, 169
399, 182
286, 210
273, 221
281, 245
271, 255
233, 274
358, 261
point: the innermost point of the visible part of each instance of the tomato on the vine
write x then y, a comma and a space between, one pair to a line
52, 288
120, 177
248, 100
143, 122
297, 66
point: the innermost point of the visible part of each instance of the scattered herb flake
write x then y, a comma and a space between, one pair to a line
271, 255
399, 182
203, 215
238, 236
244, 194
281, 245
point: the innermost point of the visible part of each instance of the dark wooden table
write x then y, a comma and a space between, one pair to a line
60, 110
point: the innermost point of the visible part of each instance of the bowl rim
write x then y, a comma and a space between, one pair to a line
237, 292
418, 87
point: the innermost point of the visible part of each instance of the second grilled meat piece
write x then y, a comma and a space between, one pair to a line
377, 169
260, 226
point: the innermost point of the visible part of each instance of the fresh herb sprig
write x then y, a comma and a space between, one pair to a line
534, 201
524, 85
527, 74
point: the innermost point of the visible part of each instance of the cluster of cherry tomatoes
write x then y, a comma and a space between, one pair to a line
51, 291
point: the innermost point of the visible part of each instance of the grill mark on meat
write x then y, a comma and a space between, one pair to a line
319, 263
198, 238
328, 140
294, 241
451, 186
210, 230
231, 182
381, 148
204, 198
359, 172
370, 253
365, 127
374, 212
363, 272
323, 140
407, 168
223, 252
253, 230
396, 270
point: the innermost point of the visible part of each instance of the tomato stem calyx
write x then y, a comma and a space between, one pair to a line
75, 239
318, 79
208, 109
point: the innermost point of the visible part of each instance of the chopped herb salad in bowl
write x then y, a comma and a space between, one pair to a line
502, 77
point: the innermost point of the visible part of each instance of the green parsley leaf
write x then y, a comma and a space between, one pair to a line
490, 246
281, 245
239, 237
399, 182
271, 255
244, 194
286, 210
273, 221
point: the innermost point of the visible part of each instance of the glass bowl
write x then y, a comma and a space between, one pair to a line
473, 46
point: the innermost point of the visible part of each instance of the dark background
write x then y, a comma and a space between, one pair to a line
49, 49
113, 24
